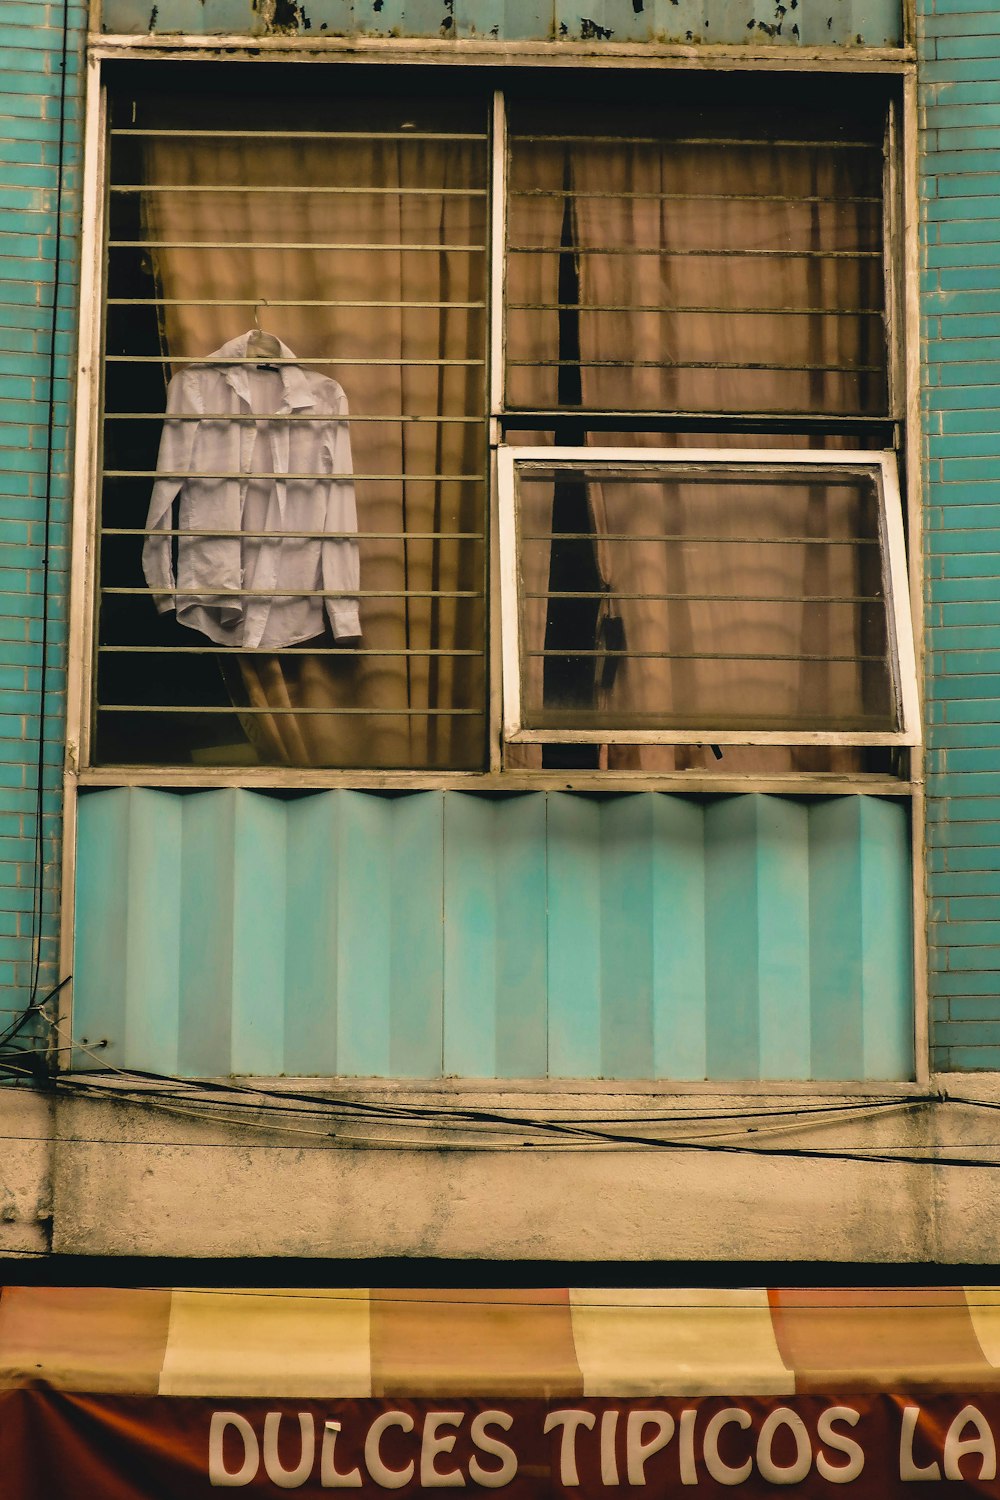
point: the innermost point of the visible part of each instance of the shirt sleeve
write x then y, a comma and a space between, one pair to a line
173, 465
341, 566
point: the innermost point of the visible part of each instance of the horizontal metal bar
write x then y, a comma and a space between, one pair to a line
518, 138
257, 474
438, 419
834, 200
726, 541
676, 308
667, 253
327, 189
361, 536
692, 597
768, 656
301, 135
286, 593
336, 651
194, 359
271, 302
603, 420
295, 713
683, 364
282, 245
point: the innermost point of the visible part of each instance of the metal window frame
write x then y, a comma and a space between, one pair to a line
901, 309
901, 660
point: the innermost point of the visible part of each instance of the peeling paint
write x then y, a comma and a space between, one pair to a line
795, 23
591, 31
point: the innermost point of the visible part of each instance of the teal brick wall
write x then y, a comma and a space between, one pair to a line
36, 112
959, 43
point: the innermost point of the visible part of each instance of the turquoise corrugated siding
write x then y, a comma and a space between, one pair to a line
31, 37
847, 23
517, 936
959, 44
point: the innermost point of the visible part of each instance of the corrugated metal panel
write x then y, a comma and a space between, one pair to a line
540, 934
846, 23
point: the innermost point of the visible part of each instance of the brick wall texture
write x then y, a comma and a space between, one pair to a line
960, 190
959, 45
37, 322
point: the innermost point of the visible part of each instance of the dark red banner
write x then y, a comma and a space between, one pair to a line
59, 1446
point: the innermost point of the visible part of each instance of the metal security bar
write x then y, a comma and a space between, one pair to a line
365, 253
784, 232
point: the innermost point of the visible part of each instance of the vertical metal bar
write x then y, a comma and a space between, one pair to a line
498, 256
497, 363
891, 266
914, 507
86, 465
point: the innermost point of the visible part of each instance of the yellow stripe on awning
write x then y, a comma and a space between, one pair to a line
681, 1343
302, 1343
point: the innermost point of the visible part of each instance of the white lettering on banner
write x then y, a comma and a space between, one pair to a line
689, 1471
570, 1420
955, 1445
613, 1447
909, 1469
330, 1477
433, 1443
609, 1464
218, 1475
723, 1472
492, 1479
289, 1479
792, 1473
637, 1451
840, 1443
389, 1479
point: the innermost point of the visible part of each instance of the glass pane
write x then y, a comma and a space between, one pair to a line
702, 598
727, 260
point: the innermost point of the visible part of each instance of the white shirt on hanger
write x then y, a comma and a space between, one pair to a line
272, 477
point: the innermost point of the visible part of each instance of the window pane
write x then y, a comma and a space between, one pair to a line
700, 261
702, 599
354, 232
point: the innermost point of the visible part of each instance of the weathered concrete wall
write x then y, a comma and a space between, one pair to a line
26, 1133
223, 1179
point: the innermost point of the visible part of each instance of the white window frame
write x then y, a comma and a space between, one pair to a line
901, 660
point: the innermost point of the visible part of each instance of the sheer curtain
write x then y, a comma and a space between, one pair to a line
422, 557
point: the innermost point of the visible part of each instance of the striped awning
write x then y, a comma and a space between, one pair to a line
128, 1394
550, 1343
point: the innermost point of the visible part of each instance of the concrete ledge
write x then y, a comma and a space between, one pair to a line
215, 1175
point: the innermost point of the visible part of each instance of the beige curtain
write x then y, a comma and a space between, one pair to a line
689, 330
375, 709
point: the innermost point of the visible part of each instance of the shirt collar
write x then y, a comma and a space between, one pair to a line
293, 379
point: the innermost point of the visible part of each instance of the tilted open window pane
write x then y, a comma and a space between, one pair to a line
711, 595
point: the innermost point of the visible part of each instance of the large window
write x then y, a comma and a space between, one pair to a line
325, 296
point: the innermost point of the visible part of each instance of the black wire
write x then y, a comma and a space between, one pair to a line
38, 893
553, 1127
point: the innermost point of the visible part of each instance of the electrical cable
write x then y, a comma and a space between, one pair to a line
38, 859
579, 1136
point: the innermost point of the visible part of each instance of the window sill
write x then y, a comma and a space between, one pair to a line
307, 779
